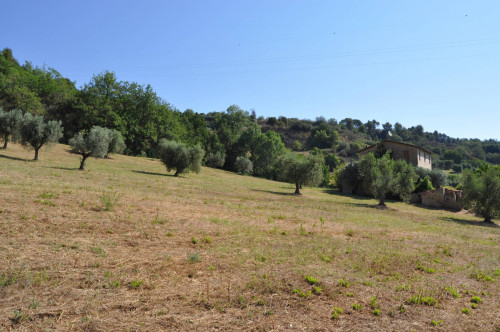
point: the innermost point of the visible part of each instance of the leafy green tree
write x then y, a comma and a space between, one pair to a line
268, 148
301, 170
454, 155
482, 191
36, 133
382, 176
324, 136
10, 124
180, 157
95, 144
324, 167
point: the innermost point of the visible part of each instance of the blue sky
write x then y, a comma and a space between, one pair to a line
433, 63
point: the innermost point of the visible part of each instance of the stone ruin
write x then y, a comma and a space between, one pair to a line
441, 198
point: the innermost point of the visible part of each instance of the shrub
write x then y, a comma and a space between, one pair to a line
424, 185
243, 165
448, 164
332, 161
457, 168
116, 142
215, 160
296, 146
311, 280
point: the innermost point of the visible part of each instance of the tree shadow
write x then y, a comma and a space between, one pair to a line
340, 193
276, 192
63, 168
14, 158
470, 222
152, 173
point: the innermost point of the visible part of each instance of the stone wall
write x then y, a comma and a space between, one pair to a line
440, 198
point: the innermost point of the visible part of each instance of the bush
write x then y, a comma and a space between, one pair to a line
457, 168
448, 164
424, 185
438, 177
243, 165
296, 146
116, 142
349, 175
332, 161
301, 126
215, 160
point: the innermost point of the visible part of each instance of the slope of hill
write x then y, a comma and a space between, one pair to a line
126, 246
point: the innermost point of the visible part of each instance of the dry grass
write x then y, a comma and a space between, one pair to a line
125, 246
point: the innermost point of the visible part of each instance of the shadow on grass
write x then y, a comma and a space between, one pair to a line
63, 168
14, 158
275, 192
151, 173
470, 222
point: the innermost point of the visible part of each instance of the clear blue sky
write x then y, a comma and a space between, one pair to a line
434, 63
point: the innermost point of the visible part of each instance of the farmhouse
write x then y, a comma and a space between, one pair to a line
411, 153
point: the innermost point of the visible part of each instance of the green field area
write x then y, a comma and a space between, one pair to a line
126, 246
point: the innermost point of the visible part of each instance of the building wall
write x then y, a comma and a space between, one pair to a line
442, 198
411, 154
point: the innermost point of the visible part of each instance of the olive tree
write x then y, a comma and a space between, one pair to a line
95, 143
10, 123
381, 176
301, 170
243, 165
178, 156
116, 142
482, 191
35, 132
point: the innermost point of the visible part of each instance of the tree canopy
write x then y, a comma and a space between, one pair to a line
95, 143
10, 125
35, 132
180, 157
381, 176
482, 192
301, 170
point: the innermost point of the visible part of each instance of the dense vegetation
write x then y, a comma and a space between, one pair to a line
144, 118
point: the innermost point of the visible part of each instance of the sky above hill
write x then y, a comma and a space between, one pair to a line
433, 63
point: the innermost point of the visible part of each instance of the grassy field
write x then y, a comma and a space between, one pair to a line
125, 246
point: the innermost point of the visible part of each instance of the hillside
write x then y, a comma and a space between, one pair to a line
126, 246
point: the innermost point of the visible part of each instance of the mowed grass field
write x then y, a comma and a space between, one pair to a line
125, 246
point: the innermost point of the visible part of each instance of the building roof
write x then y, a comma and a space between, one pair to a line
400, 143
